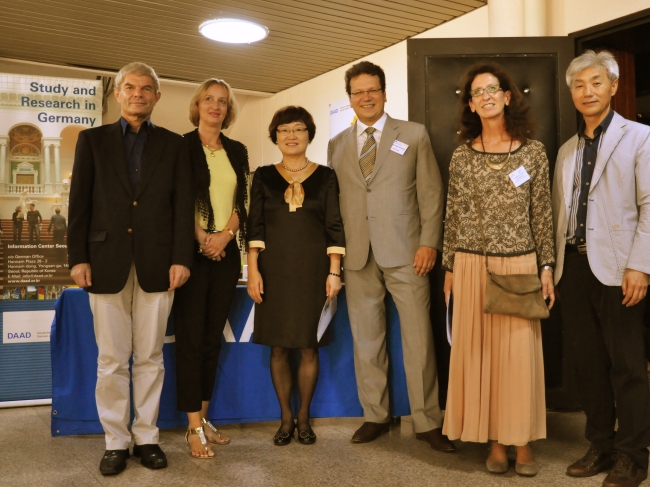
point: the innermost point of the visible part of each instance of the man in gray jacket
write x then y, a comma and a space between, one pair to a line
391, 204
601, 212
58, 223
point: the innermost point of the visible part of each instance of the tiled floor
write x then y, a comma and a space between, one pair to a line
29, 456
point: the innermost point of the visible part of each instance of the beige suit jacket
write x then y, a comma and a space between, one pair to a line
618, 210
400, 208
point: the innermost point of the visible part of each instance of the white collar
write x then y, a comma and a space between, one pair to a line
378, 125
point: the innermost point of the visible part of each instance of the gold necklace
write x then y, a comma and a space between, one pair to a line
497, 165
295, 170
212, 151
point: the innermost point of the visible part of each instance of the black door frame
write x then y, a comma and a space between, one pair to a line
622, 23
419, 49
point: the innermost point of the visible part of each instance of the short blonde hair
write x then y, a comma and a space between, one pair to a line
141, 69
233, 107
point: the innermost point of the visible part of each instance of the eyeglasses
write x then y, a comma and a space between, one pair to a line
298, 131
358, 94
491, 90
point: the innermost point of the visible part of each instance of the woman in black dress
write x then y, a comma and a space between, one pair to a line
295, 244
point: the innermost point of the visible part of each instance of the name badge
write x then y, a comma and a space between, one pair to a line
399, 147
519, 176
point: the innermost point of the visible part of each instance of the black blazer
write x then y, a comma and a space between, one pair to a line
110, 227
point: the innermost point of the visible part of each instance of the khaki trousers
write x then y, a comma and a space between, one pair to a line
130, 323
365, 291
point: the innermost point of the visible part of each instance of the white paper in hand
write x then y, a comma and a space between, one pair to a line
325, 317
450, 313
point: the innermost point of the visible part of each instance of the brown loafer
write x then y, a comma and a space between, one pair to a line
625, 473
437, 440
591, 464
369, 432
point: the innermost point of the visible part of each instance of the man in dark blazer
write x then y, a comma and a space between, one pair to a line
130, 244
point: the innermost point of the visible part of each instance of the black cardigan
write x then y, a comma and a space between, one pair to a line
238, 156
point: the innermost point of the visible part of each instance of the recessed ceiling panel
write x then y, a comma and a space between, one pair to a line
306, 37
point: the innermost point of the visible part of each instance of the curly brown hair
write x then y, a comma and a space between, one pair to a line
518, 120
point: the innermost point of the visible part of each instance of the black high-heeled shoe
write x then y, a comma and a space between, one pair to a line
283, 438
307, 437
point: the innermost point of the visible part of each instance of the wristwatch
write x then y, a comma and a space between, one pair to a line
547, 268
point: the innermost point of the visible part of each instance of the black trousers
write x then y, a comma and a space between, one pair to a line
200, 312
58, 236
606, 341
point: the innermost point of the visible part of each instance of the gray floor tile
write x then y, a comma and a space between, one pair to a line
29, 456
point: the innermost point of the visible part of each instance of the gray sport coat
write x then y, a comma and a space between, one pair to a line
618, 209
400, 208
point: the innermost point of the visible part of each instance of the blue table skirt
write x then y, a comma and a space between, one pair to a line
244, 391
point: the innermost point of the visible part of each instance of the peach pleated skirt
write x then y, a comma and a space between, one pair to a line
496, 376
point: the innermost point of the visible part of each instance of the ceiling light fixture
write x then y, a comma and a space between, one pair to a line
233, 31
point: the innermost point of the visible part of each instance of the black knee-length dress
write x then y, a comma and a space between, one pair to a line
295, 261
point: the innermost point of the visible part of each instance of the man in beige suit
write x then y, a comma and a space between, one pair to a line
392, 203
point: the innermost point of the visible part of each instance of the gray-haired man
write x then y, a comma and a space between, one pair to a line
130, 244
601, 211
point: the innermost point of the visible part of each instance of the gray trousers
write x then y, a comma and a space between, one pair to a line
365, 290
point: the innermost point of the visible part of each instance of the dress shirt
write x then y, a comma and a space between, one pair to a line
134, 144
585, 163
362, 135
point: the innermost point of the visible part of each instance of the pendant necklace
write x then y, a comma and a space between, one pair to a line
496, 164
295, 170
212, 151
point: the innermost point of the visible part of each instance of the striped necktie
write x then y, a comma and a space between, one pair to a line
368, 154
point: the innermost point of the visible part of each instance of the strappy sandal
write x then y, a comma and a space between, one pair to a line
221, 440
198, 431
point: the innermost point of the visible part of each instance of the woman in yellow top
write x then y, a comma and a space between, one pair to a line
496, 374
201, 306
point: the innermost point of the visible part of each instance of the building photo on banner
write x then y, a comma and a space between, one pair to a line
40, 119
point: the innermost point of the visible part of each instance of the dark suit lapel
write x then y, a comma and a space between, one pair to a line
611, 138
115, 150
388, 136
150, 157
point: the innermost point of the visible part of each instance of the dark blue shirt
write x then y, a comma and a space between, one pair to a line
134, 144
578, 214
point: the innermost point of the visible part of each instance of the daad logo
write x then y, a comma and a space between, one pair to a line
229, 336
17, 336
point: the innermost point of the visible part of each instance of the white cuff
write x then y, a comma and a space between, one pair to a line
336, 250
257, 244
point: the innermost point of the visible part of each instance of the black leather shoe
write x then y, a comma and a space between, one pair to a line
437, 440
283, 438
113, 462
625, 473
307, 437
591, 464
369, 431
151, 456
